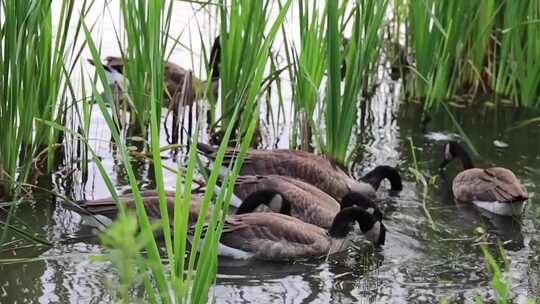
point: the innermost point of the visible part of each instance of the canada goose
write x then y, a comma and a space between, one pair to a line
263, 235
275, 236
102, 212
174, 77
494, 189
313, 169
307, 203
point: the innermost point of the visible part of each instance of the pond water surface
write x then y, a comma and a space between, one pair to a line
422, 262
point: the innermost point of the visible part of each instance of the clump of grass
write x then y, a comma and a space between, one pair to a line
34, 59
144, 24
124, 244
500, 281
361, 57
245, 47
474, 47
309, 66
182, 282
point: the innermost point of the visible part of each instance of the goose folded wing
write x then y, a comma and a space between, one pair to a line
495, 184
252, 231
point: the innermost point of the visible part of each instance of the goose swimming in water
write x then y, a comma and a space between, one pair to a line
494, 189
174, 76
310, 168
276, 236
308, 203
261, 235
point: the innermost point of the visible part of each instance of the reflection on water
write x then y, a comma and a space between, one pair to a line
419, 264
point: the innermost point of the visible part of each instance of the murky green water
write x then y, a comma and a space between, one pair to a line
422, 262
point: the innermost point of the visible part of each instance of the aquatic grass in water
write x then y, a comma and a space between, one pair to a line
36, 60
361, 55
33, 59
501, 279
309, 66
474, 47
245, 47
145, 26
519, 74
176, 284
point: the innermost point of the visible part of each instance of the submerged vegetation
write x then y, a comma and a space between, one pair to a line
444, 51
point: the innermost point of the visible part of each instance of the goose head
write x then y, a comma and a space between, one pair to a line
275, 200
372, 229
360, 200
375, 176
454, 149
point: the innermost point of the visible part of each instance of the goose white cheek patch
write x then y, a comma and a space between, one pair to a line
276, 203
447, 154
114, 77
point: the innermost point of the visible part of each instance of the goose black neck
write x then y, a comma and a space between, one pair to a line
375, 176
342, 224
263, 197
215, 58
357, 199
465, 158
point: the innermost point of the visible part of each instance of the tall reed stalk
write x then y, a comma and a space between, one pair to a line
309, 66
189, 275
361, 57
143, 21
245, 47
474, 47
34, 64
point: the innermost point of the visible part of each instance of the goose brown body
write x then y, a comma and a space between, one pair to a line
308, 203
313, 169
262, 235
494, 189
274, 236
177, 89
488, 185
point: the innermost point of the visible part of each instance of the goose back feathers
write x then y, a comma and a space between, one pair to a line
308, 203
308, 167
495, 189
180, 85
107, 206
265, 235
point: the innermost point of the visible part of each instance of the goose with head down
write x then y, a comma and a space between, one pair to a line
276, 236
308, 203
494, 189
313, 169
101, 212
261, 235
